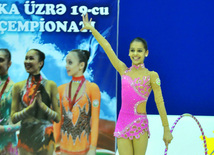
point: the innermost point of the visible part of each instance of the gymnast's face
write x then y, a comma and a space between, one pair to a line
73, 66
137, 53
32, 64
4, 64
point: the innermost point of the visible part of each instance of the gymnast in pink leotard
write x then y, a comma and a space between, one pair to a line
132, 130
131, 123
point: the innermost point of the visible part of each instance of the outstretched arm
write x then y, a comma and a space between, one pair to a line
155, 83
118, 65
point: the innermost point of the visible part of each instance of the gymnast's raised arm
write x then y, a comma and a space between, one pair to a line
118, 65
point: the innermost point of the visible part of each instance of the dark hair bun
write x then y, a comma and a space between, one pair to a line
8, 54
87, 54
83, 56
41, 56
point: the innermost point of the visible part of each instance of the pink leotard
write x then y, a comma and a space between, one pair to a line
130, 123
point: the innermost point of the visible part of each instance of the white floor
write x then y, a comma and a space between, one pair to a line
187, 136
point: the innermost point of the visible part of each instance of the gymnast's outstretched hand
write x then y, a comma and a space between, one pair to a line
167, 137
86, 22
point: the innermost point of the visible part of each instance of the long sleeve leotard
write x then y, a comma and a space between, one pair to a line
78, 128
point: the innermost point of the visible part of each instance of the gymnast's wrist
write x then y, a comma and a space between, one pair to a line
92, 28
42, 106
92, 147
166, 128
28, 109
93, 31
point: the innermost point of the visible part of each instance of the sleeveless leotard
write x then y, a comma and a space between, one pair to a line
37, 134
8, 140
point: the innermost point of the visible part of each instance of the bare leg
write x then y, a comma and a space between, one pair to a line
1, 128
24, 152
69, 154
48, 151
125, 146
140, 144
44, 152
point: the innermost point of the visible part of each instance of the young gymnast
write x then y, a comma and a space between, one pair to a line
8, 138
36, 104
77, 132
132, 130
